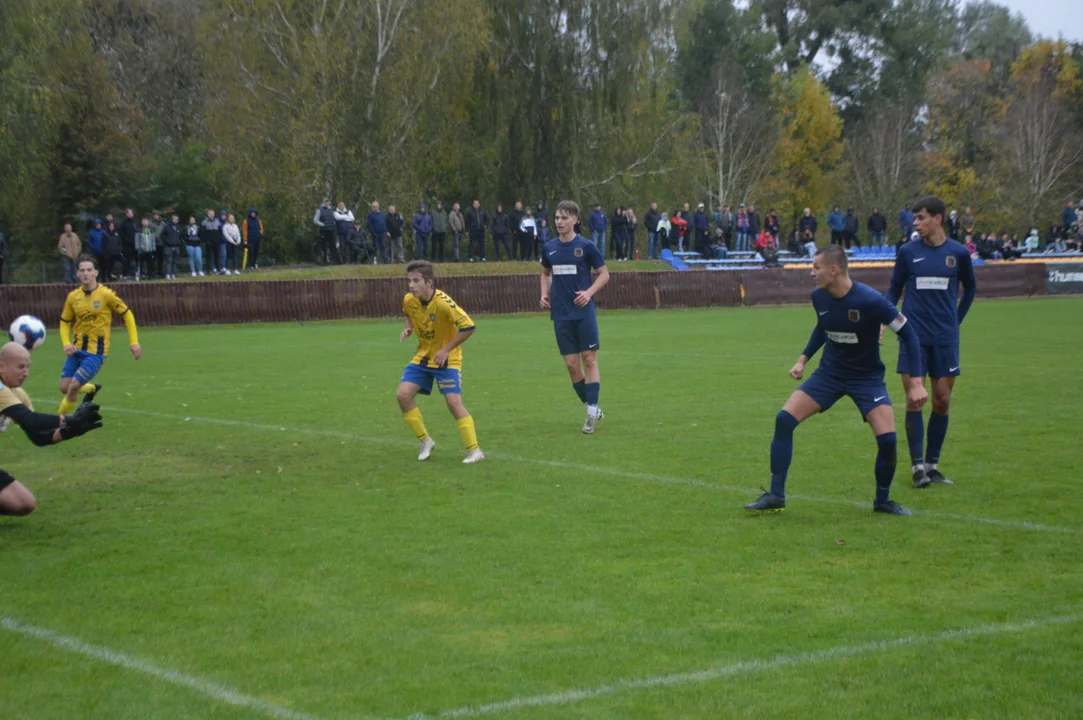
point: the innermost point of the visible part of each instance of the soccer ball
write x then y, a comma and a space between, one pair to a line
28, 331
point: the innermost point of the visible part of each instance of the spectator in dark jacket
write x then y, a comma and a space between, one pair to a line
807, 224
837, 222
95, 240
701, 224
1068, 216
128, 230
754, 225
772, 225
377, 226
422, 227
210, 232
324, 219
171, 245
850, 228
598, 224
501, 228
252, 232
395, 224
477, 222
619, 224
651, 220
192, 246
114, 250
439, 232
355, 242
519, 242
877, 226
906, 222
952, 226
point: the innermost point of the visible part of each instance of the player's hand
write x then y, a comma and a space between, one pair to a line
85, 418
69, 350
545, 301
137, 351
881, 334
405, 334
440, 358
582, 298
798, 370
917, 395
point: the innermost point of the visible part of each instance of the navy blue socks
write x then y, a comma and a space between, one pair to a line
885, 464
915, 436
938, 430
782, 451
580, 390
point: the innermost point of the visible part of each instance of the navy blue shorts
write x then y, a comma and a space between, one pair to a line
576, 336
448, 380
936, 361
868, 393
82, 365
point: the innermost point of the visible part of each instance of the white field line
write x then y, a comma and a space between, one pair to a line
614, 472
128, 662
748, 666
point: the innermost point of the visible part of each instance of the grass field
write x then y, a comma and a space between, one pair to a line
251, 535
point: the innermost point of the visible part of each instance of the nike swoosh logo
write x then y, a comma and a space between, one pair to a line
591, 347
554, 252
953, 369
917, 260
825, 312
879, 398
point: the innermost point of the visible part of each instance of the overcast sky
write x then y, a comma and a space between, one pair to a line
1051, 18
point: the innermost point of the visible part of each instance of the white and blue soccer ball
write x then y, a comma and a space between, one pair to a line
28, 331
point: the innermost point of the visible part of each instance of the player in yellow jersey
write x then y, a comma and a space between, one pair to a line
41, 428
442, 327
89, 312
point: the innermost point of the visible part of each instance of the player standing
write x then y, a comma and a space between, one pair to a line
849, 316
928, 271
89, 310
567, 290
442, 327
42, 429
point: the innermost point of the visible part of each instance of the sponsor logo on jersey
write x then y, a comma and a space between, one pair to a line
855, 315
579, 252
950, 260
565, 270
931, 283
842, 337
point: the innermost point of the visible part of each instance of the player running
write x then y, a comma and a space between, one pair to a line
88, 310
442, 327
42, 429
848, 319
567, 291
928, 272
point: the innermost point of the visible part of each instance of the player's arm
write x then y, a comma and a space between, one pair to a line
440, 358
970, 286
408, 330
815, 342
546, 282
67, 319
44, 429
601, 277
896, 321
899, 276
125, 312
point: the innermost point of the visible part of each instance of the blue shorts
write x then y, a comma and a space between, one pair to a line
936, 361
868, 393
448, 380
576, 336
82, 365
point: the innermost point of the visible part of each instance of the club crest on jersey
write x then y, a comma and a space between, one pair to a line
950, 260
854, 314
432, 317
97, 304
579, 252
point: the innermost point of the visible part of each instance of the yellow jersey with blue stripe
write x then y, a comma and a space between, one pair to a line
91, 317
436, 323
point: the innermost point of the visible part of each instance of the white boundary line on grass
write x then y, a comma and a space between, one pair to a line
615, 472
112, 657
748, 666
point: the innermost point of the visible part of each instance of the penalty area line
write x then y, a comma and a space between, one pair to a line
128, 662
614, 472
568, 697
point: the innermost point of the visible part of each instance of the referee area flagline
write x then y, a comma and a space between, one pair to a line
615, 472
128, 662
777, 662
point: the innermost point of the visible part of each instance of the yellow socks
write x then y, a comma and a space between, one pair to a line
413, 419
466, 432
67, 406
88, 388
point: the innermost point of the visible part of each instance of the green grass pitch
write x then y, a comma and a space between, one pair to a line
251, 535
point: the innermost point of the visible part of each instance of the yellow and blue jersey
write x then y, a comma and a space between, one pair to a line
436, 323
90, 315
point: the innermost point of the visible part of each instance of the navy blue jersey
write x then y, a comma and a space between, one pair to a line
850, 329
929, 277
571, 263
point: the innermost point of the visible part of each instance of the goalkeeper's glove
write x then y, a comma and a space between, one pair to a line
85, 418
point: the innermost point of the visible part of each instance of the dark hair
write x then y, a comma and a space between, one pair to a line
87, 258
423, 268
835, 255
569, 207
933, 206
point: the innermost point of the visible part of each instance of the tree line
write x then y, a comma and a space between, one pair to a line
183, 105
